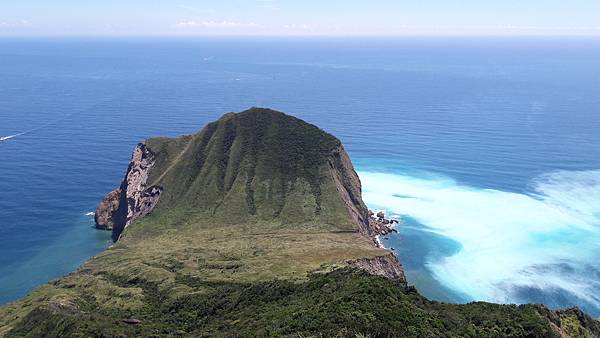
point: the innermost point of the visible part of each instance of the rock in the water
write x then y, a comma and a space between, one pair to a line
108, 207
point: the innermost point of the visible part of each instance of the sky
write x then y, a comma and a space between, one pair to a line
299, 17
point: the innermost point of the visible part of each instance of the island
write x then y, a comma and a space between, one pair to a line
253, 227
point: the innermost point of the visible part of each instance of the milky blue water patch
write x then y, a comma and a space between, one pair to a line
32, 264
418, 247
514, 247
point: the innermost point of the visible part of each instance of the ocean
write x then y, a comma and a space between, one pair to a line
487, 149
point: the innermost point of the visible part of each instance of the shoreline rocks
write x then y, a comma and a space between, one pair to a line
380, 224
103, 217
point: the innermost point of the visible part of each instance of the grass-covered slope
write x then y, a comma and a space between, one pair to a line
258, 165
259, 215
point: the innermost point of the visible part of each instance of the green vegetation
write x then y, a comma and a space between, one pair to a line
253, 166
251, 237
339, 303
344, 303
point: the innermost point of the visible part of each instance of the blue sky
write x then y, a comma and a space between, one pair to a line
300, 17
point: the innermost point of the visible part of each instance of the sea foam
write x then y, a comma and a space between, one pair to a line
547, 239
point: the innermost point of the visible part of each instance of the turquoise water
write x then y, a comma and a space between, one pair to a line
487, 148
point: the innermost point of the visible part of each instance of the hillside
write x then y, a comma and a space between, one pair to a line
254, 226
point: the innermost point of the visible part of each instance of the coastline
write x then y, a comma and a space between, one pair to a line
174, 257
81, 241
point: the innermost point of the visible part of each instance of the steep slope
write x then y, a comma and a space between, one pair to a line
132, 199
256, 166
254, 226
260, 165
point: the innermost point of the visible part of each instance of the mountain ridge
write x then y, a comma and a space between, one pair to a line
227, 157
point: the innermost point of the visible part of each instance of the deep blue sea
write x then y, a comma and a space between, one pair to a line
488, 149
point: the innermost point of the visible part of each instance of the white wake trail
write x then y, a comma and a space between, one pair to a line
9, 137
6, 138
48, 124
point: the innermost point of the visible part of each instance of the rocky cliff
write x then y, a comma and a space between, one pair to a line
385, 266
348, 185
133, 199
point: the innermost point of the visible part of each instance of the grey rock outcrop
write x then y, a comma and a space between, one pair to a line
386, 266
133, 199
108, 207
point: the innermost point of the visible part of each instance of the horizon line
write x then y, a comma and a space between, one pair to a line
299, 35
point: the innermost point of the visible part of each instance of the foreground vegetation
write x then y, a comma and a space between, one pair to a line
339, 303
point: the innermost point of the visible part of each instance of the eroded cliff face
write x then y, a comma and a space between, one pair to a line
133, 199
105, 213
348, 185
386, 266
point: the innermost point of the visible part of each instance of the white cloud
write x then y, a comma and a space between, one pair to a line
196, 10
270, 5
216, 24
299, 27
14, 24
272, 8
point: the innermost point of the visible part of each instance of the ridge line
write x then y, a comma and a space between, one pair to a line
187, 147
